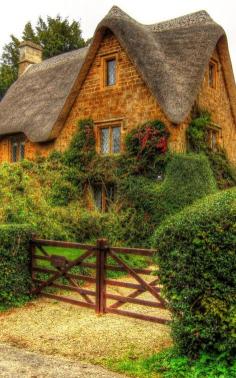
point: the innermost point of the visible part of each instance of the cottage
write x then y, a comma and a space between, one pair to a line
129, 74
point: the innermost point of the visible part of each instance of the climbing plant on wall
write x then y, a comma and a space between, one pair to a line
197, 136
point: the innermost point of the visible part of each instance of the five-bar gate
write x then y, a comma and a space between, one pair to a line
52, 271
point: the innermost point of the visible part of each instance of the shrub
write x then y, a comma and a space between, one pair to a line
197, 131
82, 146
15, 279
62, 192
197, 262
147, 145
188, 178
224, 172
147, 202
197, 135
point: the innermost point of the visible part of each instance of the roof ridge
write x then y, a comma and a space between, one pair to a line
199, 17
57, 59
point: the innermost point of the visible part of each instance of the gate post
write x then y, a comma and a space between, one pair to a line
101, 256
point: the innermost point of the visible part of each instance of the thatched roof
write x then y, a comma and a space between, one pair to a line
34, 103
170, 56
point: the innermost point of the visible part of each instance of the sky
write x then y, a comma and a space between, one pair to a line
14, 14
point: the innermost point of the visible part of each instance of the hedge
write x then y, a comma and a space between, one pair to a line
188, 178
15, 279
197, 262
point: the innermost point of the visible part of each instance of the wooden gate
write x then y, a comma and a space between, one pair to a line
59, 272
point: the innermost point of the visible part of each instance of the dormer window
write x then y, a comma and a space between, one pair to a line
111, 72
17, 148
212, 74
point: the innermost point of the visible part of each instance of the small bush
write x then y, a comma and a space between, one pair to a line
197, 260
15, 279
170, 364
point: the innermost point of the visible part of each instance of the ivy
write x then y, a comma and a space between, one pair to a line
197, 136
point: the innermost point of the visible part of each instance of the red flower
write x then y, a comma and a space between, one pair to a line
162, 145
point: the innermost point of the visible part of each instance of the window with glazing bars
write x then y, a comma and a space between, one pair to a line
111, 72
17, 149
104, 196
110, 139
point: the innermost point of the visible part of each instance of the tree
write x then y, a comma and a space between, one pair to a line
55, 35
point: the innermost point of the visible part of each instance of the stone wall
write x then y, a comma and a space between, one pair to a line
130, 103
216, 101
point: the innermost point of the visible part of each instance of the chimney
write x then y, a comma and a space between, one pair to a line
30, 53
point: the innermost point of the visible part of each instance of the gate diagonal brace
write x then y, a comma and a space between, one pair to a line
144, 284
62, 271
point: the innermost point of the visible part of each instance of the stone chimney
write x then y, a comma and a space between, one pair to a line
30, 53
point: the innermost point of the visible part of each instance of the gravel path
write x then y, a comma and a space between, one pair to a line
60, 329
17, 363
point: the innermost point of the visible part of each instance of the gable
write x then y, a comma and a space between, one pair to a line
171, 58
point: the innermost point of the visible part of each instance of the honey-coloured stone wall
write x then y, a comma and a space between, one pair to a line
216, 101
130, 103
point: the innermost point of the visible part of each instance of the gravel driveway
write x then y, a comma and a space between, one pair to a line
17, 363
52, 328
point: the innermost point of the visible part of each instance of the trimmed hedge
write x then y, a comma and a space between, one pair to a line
15, 279
188, 178
197, 262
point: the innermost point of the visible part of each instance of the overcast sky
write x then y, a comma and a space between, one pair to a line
14, 14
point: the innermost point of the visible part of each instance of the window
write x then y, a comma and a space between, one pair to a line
213, 136
17, 149
110, 139
110, 72
212, 74
104, 196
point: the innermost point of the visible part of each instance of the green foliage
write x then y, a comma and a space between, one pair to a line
55, 35
49, 193
197, 261
197, 132
197, 135
15, 277
188, 178
147, 145
224, 172
170, 364
82, 147
9, 64
62, 193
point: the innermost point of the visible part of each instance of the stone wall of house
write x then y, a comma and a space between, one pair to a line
32, 150
130, 103
216, 101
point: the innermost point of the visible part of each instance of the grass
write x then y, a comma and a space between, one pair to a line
169, 364
72, 253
